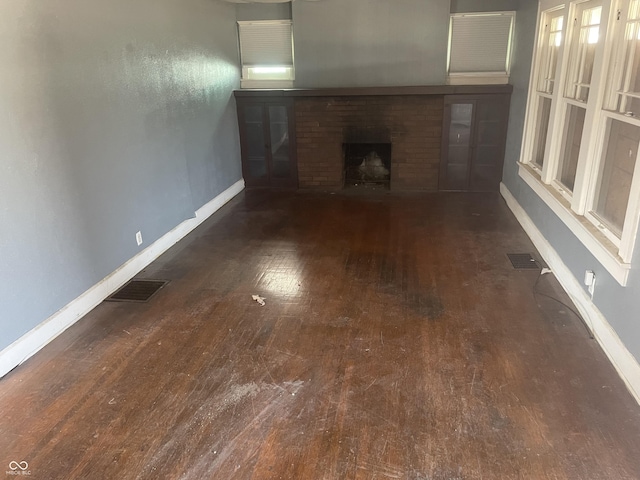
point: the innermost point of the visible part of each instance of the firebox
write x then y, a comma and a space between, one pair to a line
367, 164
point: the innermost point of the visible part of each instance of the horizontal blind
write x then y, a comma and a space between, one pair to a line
265, 43
480, 43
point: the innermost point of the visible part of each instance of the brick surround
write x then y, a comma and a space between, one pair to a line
412, 123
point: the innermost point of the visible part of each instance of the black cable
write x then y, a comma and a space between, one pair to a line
537, 292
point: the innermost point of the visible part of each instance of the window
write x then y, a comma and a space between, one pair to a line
480, 47
547, 75
585, 36
614, 201
616, 175
624, 87
582, 137
266, 54
571, 142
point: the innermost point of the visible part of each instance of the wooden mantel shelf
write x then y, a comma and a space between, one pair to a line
373, 91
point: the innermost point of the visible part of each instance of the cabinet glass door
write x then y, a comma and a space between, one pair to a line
256, 158
474, 133
486, 163
280, 147
459, 143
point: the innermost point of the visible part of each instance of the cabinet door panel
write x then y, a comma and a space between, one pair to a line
280, 144
458, 167
488, 156
255, 161
487, 169
267, 138
460, 126
458, 120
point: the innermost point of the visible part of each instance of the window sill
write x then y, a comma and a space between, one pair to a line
599, 246
477, 79
273, 84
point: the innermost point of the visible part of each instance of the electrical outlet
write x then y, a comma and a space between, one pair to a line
590, 281
139, 238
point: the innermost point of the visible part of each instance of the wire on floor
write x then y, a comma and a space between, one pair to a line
571, 309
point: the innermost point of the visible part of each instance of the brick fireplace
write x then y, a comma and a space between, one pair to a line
411, 123
303, 138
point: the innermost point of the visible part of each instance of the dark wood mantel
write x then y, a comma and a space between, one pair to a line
378, 91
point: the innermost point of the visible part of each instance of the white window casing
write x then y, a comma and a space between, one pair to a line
578, 93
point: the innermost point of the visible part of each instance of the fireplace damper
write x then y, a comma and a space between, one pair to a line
367, 164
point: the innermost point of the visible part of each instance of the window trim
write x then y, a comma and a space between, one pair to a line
574, 210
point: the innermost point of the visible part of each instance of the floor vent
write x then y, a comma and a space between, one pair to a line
137, 291
523, 261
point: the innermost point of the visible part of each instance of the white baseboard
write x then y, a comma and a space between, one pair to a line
34, 340
624, 362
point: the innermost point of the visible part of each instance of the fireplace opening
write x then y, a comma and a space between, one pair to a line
367, 164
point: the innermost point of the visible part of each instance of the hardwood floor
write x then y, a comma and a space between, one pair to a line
397, 342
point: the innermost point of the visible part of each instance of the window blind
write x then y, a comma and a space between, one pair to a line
265, 43
480, 43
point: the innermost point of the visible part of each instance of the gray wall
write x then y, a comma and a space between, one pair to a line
263, 11
467, 6
116, 117
618, 304
342, 43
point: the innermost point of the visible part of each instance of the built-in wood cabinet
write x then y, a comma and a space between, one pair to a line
443, 137
267, 141
473, 142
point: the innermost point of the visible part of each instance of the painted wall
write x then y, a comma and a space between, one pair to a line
116, 117
467, 6
342, 43
263, 11
619, 305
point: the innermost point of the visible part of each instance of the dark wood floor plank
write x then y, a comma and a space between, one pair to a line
397, 341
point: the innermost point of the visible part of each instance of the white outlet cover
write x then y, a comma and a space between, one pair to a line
139, 238
589, 278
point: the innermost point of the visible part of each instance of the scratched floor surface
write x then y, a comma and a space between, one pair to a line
397, 342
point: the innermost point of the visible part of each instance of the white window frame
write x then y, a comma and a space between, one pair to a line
535, 95
575, 208
474, 78
266, 75
577, 198
626, 241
